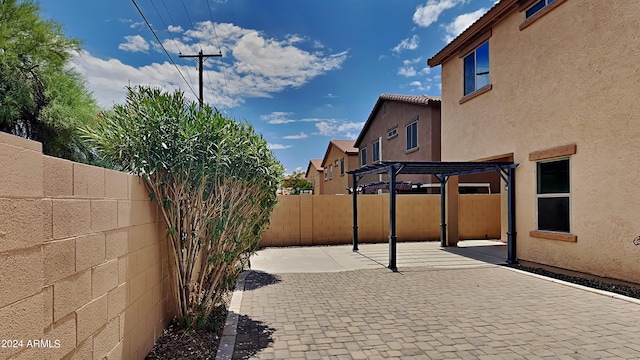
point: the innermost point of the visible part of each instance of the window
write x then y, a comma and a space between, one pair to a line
412, 135
536, 7
341, 166
330, 171
325, 174
554, 195
376, 151
363, 157
392, 133
476, 69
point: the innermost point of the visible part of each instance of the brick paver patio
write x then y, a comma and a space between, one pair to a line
484, 312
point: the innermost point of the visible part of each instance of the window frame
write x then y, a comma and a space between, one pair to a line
407, 148
342, 167
330, 171
556, 195
392, 133
473, 54
363, 156
376, 145
326, 174
546, 3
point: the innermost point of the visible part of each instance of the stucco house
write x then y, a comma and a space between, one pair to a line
553, 86
315, 175
339, 158
407, 128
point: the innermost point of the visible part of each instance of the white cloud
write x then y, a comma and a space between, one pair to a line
428, 13
253, 65
300, 136
461, 23
277, 117
419, 86
278, 146
136, 25
331, 127
135, 43
408, 70
407, 44
175, 29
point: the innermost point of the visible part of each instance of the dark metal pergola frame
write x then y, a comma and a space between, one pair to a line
442, 171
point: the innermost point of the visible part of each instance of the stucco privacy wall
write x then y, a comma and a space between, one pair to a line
83, 258
327, 219
571, 77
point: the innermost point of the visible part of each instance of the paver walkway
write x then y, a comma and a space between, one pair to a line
473, 310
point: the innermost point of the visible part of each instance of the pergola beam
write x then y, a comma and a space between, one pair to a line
442, 170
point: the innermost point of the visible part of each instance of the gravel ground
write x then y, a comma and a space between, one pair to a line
179, 343
630, 290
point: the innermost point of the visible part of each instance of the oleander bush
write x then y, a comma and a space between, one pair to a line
214, 178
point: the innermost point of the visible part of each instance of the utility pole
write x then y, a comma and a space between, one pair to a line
201, 58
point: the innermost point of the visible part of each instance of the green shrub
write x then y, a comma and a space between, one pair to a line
215, 181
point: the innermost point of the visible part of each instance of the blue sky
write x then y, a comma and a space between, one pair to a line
302, 72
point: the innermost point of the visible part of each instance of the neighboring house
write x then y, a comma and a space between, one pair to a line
314, 175
407, 128
553, 86
339, 158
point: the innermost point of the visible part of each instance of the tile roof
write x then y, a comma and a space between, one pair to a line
316, 163
410, 99
345, 146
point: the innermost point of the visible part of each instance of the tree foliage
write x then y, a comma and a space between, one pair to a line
41, 96
296, 182
215, 181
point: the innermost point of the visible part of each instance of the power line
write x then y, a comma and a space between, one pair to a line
167, 27
224, 74
163, 48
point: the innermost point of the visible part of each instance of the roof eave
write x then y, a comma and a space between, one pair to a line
492, 16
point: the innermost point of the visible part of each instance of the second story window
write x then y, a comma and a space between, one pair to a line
363, 157
476, 68
536, 7
392, 133
341, 166
376, 151
412, 135
330, 171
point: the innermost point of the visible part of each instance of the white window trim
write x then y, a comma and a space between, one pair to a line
554, 195
395, 133
373, 152
407, 132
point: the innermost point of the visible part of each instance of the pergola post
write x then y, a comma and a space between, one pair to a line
511, 216
443, 213
354, 177
392, 218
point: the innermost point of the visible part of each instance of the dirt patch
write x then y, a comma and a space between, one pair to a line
176, 342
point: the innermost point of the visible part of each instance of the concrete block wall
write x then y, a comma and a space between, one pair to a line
327, 219
83, 258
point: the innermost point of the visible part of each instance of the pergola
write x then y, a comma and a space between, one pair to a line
442, 171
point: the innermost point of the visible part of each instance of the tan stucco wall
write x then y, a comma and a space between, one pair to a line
327, 219
400, 114
83, 258
316, 178
570, 77
338, 183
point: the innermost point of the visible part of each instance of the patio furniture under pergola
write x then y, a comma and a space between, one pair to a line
442, 171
